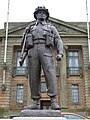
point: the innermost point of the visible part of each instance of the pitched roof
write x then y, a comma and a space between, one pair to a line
15, 26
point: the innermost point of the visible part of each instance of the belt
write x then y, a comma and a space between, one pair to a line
39, 41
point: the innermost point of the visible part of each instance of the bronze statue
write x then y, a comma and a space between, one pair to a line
38, 40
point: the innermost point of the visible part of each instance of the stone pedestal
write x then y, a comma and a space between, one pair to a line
40, 113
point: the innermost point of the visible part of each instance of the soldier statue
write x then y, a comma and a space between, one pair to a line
38, 41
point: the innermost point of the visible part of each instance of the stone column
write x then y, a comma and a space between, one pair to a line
63, 78
86, 76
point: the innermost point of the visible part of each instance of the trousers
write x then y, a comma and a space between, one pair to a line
41, 55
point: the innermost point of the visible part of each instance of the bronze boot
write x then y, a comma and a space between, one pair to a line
34, 106
54, 104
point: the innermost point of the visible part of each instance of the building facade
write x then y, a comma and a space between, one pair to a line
73, 74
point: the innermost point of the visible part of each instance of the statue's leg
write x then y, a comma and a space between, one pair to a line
50, 75
34, 78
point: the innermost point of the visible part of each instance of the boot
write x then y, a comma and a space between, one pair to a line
35, 105
54, 104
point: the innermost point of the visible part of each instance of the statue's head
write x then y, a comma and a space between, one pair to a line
43, 10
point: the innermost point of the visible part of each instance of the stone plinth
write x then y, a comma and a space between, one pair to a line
40, 113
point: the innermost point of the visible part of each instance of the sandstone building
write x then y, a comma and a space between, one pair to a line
73, 74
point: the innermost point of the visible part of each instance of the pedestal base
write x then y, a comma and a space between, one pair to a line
40, 113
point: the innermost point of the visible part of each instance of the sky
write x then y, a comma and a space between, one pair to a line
65, 10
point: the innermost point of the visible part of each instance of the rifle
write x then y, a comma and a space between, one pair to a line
22, 59
23, 48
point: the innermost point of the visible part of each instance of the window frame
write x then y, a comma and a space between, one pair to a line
79, 71
74, 96
18, 89
18, 70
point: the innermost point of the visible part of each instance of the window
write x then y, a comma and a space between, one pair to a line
43, 87
19, 93
19, 69
75, 93
73, 63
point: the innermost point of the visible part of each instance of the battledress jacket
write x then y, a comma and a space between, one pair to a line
42, 32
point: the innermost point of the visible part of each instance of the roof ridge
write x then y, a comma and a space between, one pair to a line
68, 24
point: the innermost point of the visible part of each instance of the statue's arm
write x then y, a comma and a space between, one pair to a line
58, 42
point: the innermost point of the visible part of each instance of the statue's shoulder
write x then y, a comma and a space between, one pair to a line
50, 26
29, 28
33, 27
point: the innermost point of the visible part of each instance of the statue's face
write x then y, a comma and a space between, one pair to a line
41, 15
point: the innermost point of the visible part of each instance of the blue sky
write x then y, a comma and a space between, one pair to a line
22, 10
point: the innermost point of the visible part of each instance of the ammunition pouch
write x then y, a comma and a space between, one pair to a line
49, 39
29, 41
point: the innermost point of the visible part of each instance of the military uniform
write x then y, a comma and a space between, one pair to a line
40, 54
39, 41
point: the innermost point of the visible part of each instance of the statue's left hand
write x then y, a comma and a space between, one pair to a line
59, 57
